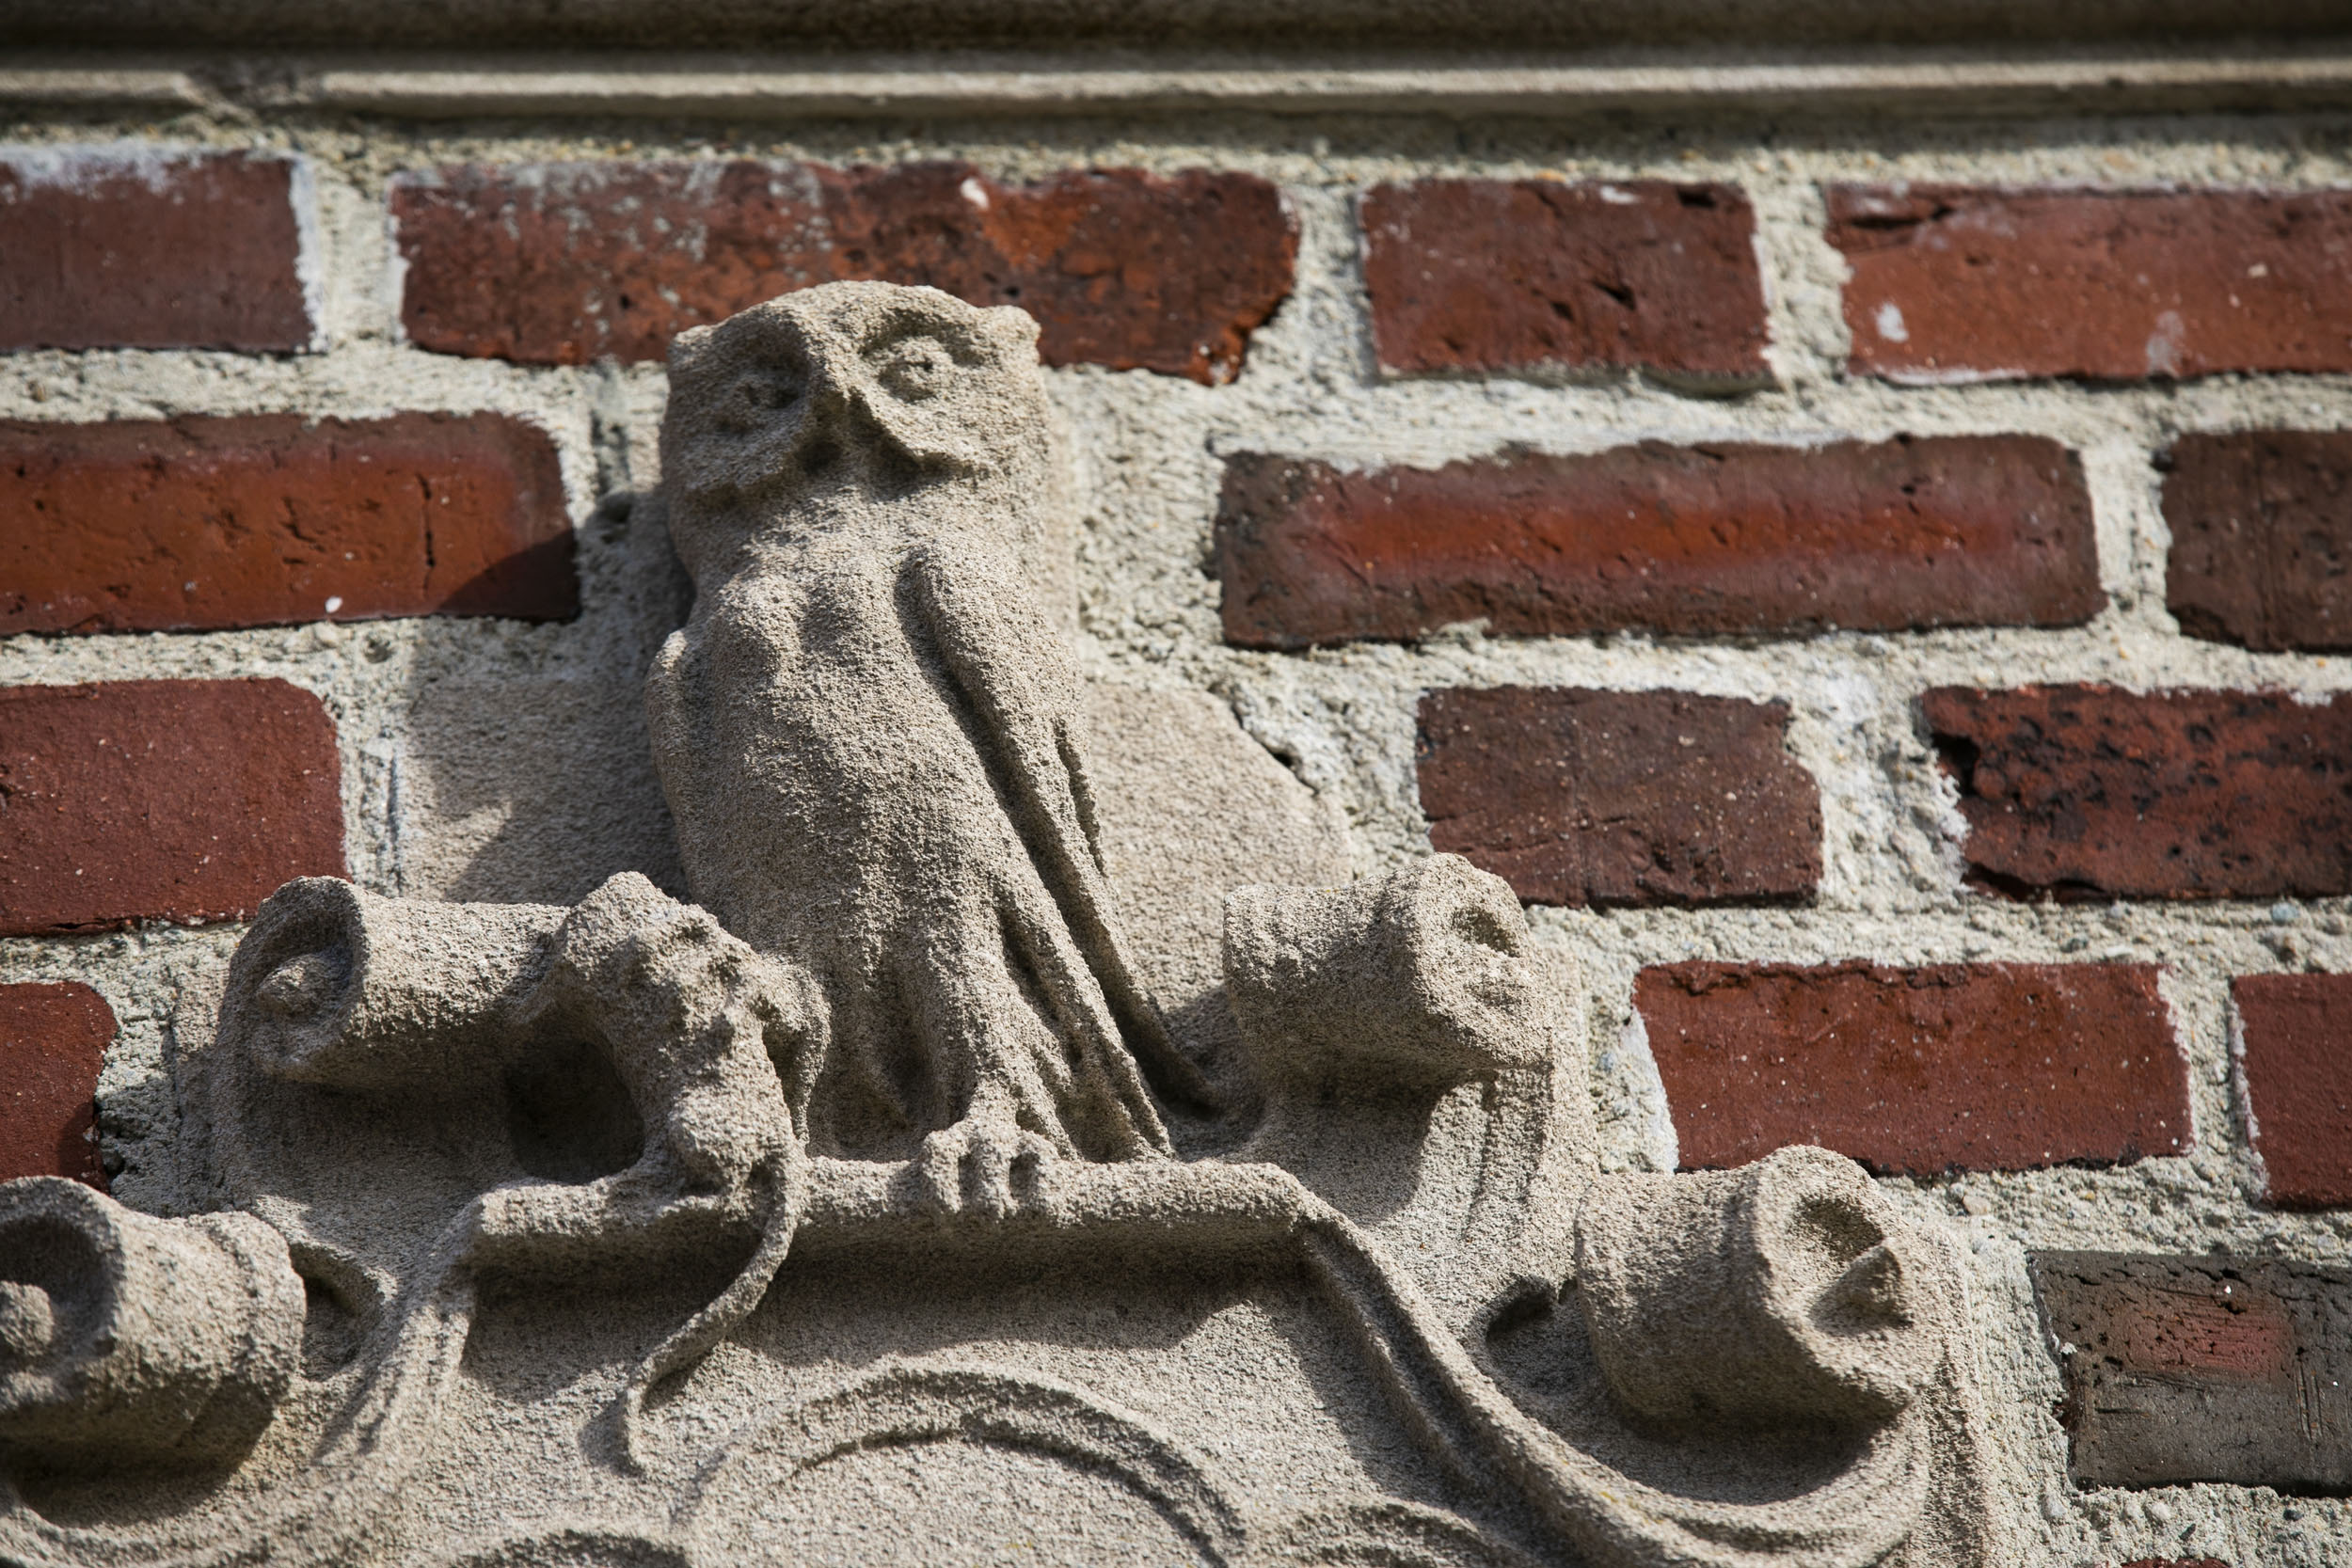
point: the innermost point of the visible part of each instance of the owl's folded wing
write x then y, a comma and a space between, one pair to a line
1007, 665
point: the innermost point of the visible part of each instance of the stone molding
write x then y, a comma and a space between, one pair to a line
2120, 77
1154, 23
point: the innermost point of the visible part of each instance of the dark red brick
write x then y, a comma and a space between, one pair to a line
1498, 275
1713, 541
1965, 283
207, 523
2089, 792
1610, 798
181, 801
2296, 1035
2214, 1368
53, 1041
2262, 538
569, 262
1912, 1071
150, 249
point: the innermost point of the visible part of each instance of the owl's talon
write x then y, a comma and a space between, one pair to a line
985, 1166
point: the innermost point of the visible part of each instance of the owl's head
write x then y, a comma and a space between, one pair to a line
868, 384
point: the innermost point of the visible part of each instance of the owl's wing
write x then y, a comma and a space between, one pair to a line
1008, 664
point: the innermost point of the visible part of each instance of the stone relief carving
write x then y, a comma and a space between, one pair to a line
920, 1194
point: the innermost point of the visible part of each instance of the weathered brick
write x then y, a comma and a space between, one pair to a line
2213, 1368
2296, 1035
183, 801
1496, 275
1965, 283
53, 1041
207, 523
105, 248
1707, 541
2089, 792
1978, 1066
1605, 797
569, 262
2262, 538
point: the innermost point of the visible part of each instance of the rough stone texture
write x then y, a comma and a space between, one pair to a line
1493, 274
202, 523
872, 739
2262, 538
1612, 797
889, 1151
1968, 283
1152, 450
2294, 1051
1970, 1067
1722, 540
180, 800
563, 264
2201, 1369
2089, 792
1152, 24
139, 1342
1190, 808
53, 1039
127, 248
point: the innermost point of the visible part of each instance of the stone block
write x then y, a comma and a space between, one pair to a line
2295, 1038
1916, 1071
2086, 792
571, 263
103, 247
52, 1042
1479, 276
1613, 798
2262, 538
2214, 1369
181, 800
1972, 283
203, 524
1704, 541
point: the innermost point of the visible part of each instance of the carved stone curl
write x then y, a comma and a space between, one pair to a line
1785, 1292
125, 1337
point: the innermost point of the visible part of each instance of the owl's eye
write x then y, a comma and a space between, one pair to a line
757, 396
915, 369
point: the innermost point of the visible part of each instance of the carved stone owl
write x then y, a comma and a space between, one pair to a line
870, 733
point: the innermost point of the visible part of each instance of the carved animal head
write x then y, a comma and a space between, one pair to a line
871, 387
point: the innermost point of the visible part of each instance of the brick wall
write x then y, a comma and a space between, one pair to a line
1877, 592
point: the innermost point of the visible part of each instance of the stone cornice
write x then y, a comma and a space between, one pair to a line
2118, 79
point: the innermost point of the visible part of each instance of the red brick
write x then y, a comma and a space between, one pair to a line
1712, 540
207, 523
569, 262
1912, 1071
1607, 798
182, 800
2211, 1369
2262, 538
1963, 283
102, 248
2296, 1031
2089, 792
1496, 275
53, 1041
